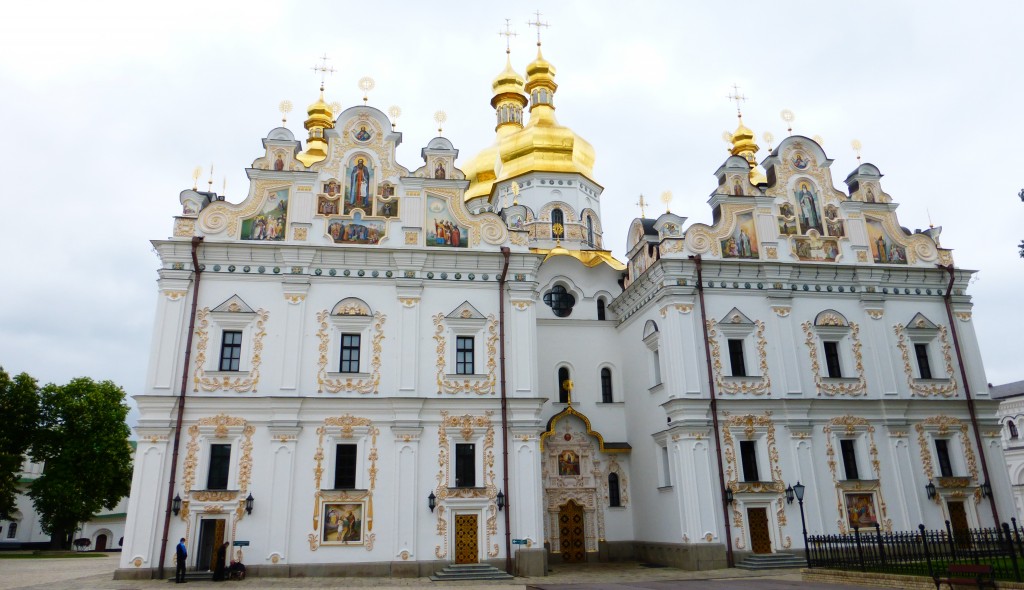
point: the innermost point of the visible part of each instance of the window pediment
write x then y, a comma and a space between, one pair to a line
233, 305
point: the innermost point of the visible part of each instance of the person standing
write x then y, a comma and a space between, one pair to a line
180, 555
222, 555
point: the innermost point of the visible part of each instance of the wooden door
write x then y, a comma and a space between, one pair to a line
958, 522
571, 537
760, 538
211, 536
466, 541
101, 543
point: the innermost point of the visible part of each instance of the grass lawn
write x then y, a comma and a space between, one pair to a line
49, 554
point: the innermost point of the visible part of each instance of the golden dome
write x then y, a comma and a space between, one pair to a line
508, 102
743, 145
507, 82
320, 117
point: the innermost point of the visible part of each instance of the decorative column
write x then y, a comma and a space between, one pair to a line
909, 494
282, 490
693, 457
521, 330
681, 348
408, 498
786, 356
880, 352
146, 503
291, 355
169, 333
527, 500
409, 337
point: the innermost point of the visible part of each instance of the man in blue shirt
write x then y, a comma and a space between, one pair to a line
179, 568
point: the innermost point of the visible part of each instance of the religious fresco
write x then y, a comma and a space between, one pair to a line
356, 230
439, 170
332, 187
800, 161
269, 224
326, 205
787, 220
737, 188
860, 510
442, 228
343, 523
362, 134
883, 249
358, 185
386, 207
568, 463
386, 190
815, 248
743, 241
833, 224
808, 208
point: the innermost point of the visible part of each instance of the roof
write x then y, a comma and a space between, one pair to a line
1006, 390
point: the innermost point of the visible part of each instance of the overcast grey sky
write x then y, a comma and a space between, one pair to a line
110, 105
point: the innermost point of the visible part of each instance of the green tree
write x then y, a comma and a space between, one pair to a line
83, 441
19, 405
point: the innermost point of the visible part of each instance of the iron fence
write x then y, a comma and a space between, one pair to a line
921, 552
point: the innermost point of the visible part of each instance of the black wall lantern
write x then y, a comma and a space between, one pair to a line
930, 490
789, 495
728, 496
176, 505
501, 500
431, 501
986, 490
248, 504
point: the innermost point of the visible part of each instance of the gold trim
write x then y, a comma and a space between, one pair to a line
242, 383
467, 425
359, 385
570, 411
471, 383
763, 386
917, 386
830, 389
347, 424
942, 425
850, 425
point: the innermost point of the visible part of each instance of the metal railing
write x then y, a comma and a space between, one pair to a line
921, 552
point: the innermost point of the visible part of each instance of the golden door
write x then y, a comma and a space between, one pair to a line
466, 542
760, 538
218, 540
571, 537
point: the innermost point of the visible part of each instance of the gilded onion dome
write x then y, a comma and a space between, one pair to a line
743, 145
320, 118
508, 101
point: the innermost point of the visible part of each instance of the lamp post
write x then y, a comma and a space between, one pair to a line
798, 490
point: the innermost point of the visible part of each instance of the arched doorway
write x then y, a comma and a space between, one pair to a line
571, 533
101, 542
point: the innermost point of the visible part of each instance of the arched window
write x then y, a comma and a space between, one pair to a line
600, 309
613, 490
12, 530
606, 385
563, 381
557, 224
590, 230
1013, 429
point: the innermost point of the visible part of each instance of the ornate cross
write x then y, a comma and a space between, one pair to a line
507, 34
537, 24
323, 69
737, 97
641, 203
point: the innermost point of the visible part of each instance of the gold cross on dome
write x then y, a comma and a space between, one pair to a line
642, 203
537, 24
323, 69
508, 34
737, 97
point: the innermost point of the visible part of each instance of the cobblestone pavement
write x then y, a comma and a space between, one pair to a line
97, 573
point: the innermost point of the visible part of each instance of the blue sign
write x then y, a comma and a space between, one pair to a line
519, 541
241, 543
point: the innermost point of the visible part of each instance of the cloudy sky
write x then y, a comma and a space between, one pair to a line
111, 105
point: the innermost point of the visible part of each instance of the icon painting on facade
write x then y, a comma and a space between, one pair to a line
363, 134
568, 463
269, 224
326, 205
883, 249
359, 178
860, 510
442, 228
743, 241
387, 207
343, 523
808, 210
356, 230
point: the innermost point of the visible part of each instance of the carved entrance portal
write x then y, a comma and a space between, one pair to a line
571, 537
466, 541
760, 537
958, 522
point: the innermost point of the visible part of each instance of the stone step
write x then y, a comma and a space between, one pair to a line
470, 571
773, 561
195, 577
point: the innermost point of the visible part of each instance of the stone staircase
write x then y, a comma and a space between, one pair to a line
768, 561
193, 576
469, 571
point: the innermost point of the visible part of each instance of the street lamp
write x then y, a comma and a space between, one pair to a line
431, 501
986, 490
798, 490
789, 495
729, 496
501, 500
176, 505
930, 490
248, 504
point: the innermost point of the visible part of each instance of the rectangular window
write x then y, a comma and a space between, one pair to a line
345, 467
350, 353
748, 455
606, 386
942, 451
464, 355
12, 531
220, 463
666, 473
832, 359
465, 465
849, 449
921, 350
657, 368
739, 367
230, 350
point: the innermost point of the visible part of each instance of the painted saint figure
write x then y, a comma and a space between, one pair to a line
279, 163
439, 170
807, 202
362, 134
359, 185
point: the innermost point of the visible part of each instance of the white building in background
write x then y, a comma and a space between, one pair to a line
105, 531
344, 369
1011, 417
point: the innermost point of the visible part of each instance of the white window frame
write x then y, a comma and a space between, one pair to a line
860, 450
225, 321
468, 328
744, 332
333, 438
349, 324
207, 438
844, 346
930, 338
477, 440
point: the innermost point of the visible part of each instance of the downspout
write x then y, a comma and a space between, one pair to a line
714, 411
196, 240
504, 409
967, 388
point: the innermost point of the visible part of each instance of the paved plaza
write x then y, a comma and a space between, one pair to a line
97, 573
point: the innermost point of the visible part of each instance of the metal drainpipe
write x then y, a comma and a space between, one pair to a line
504, 409
714, 412
181, 405
967, 388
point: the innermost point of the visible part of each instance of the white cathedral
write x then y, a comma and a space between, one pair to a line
367, 369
